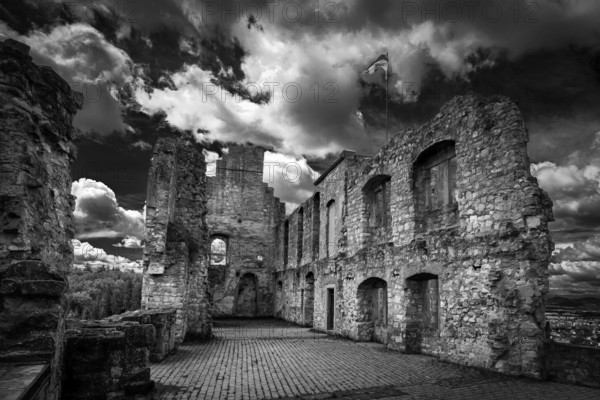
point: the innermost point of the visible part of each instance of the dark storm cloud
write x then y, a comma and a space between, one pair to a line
574, 187
544, 54
443, 35
105, 48
129, 156
575, 269
86, 60
585, 250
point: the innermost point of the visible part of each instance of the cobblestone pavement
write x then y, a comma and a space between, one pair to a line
266, 359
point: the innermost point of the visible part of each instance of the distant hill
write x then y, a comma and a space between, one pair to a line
579, 303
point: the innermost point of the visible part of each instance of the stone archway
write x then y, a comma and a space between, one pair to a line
246, 296
309, 299
422, 310
371, 298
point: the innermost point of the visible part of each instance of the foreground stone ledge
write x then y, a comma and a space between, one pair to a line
165, 330
106, 360
110, 358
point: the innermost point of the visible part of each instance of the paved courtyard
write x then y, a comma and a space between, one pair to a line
266, 359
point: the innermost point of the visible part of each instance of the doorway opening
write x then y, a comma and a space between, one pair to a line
422, 310
247, 296
330, 308
309, 299
371, 297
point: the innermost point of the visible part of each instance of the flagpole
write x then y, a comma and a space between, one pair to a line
386, 96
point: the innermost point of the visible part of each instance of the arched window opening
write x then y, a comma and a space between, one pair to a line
286, 241
218, 250
331, 226
247, 296
371, 298
377, 196
316, 215
435, 176
300, 234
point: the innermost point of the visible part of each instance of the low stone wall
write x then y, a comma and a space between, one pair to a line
32, 311
106, 360
111, 358
573, 364
165, 334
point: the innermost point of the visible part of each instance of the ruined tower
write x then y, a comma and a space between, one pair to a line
242, 216
175, 263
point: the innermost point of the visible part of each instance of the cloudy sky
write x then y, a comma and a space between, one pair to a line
286, 74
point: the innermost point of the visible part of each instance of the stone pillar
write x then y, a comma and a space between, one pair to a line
36, 112
175, 269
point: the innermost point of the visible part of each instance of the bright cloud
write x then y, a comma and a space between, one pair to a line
97, 212
130, 242
88, 255
575, 192
291, 178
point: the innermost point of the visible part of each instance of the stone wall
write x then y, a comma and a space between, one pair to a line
175, 255
165, 329
465, 281
111, 358
243, 212
573, 364
36, 111
107, 360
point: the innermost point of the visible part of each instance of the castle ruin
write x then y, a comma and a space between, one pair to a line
438, 244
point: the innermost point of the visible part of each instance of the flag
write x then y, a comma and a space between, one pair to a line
380, 64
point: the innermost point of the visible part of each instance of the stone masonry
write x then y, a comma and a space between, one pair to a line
438, 244
242, 214
36, 111
175, 256
110, 358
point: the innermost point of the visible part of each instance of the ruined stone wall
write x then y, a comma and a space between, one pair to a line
107, 360
110, 358
36, 111
175, 263
573, 364
467, 282
243, 211
165, 333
